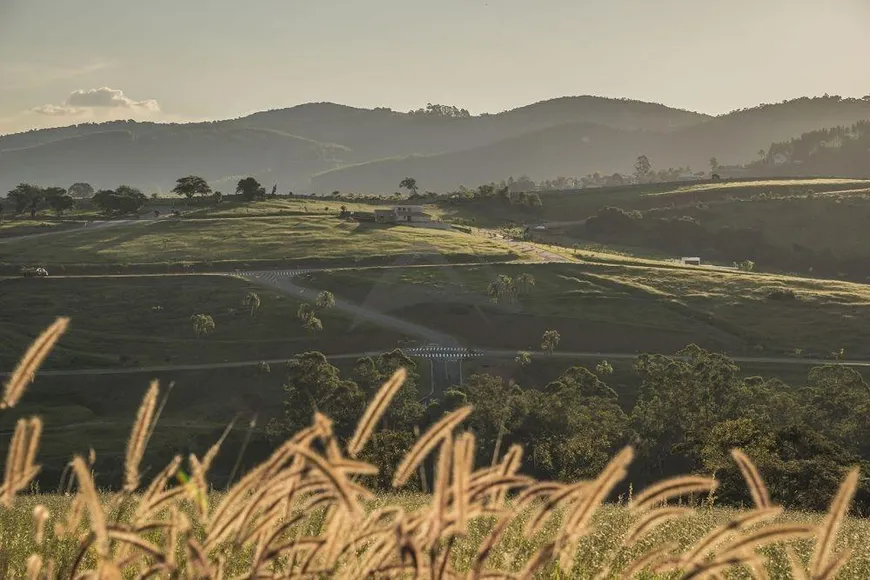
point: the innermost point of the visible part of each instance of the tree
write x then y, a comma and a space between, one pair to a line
251, 301
203, 324
59, 200
502, 290
533, 200
314, 385
525, 282
250, 189
81, 190
603, 369
190, 186
26, 197
714, 165
313, 324
550, 341
762, 154
304, 312
410, 184
523, 358
642, 168
325, 300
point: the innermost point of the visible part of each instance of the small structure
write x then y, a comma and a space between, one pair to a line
386, 215
363, 216
690, 261
402, 213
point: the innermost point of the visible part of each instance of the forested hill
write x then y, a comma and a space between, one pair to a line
838, 150
323, 146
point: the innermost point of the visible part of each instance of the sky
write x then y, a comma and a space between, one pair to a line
69, 61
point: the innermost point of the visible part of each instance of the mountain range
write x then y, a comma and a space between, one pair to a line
322, 147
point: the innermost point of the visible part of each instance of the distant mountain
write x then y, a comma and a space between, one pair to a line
324, 146
577, 149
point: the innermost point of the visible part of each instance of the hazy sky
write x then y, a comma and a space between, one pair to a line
66, 61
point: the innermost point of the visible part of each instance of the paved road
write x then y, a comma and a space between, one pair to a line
447, 372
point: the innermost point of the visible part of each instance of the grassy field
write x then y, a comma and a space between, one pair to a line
261, 238
295, 206
572, 206
835, 222
596, 552
624, 307
145, 321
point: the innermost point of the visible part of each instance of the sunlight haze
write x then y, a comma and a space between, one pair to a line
193, 60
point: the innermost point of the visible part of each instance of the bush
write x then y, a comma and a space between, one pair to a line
782, 294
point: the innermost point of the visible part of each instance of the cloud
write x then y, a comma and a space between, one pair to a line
83, 101
57, 110
106, 97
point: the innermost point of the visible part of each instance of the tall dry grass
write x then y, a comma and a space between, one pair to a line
304, 513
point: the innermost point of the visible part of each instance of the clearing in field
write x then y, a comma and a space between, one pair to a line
623, 307
146, 321
257, 238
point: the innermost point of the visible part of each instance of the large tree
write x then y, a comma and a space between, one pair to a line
26, 197
250, 189
315, 385
642, 169
190, 186
81, 190
122, 201
58, 199
410, 184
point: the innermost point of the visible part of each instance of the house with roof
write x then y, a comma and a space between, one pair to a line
402, 213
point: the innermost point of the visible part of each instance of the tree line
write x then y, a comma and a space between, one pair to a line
690, 410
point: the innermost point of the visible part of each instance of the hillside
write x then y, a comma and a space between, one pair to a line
577, 149
840, 150
353, 149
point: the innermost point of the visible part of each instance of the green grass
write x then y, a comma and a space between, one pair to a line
573, 206
146, 321
610, 524
278, 207
263, 238
624, 307
834, 221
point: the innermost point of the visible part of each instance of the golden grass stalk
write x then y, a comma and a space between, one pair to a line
577, 523
653, 519
95, 510
753, 479
463, 459
40, 516
833, 521
699, 551
648, 559
25, 372
669, 489
375, 411
20, 467
139, 437
34, 567
439, 431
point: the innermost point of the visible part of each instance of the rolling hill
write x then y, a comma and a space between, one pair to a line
324, 146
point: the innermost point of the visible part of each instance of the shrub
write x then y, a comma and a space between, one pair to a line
782, 294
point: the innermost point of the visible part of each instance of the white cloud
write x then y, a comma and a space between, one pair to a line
112, 98
84, 101
57, 110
